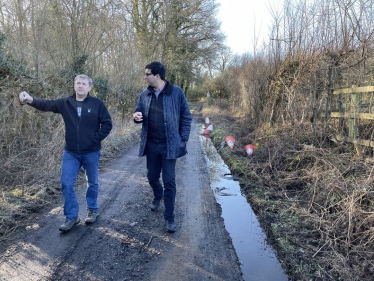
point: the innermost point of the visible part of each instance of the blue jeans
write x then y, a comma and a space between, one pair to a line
71, 164
156, 161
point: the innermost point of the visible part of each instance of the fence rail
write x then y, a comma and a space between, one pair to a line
355, 105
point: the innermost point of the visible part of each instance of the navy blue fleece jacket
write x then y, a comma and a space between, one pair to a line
82, 134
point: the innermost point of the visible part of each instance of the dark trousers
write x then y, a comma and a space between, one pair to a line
157, 162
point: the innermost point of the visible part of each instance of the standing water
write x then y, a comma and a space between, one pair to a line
257, 259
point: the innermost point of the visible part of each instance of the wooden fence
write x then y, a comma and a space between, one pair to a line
353, 111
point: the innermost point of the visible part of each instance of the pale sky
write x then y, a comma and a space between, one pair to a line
241, 20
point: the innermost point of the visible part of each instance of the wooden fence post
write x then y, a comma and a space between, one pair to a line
354, 115
355, 107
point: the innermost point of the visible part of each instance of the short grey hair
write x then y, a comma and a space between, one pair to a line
84, 77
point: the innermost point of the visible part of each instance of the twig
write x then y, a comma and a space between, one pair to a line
329, 241
149, 242
270, 159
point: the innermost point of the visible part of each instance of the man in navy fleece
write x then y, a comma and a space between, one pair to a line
87, 123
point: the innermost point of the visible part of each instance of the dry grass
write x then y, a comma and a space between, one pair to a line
314, 198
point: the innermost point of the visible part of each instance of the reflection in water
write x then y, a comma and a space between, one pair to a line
258, 261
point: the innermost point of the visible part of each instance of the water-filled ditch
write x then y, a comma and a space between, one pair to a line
257, 258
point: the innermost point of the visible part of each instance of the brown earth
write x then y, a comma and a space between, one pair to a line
128, 241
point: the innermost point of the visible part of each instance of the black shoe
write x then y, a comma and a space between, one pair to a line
91, 216
69, 224
171, 226
155, 204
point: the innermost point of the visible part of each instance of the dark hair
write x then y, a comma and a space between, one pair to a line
157, 67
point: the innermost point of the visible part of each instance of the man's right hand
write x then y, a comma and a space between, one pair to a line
24, 96
138, 116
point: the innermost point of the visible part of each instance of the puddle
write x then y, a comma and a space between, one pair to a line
257, 259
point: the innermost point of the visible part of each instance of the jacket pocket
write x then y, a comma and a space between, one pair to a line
182, 148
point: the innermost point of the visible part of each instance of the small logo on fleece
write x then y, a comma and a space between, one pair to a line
89, 110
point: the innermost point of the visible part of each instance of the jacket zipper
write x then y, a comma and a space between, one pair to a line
79, 121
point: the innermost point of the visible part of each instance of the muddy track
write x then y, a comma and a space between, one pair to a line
128, 241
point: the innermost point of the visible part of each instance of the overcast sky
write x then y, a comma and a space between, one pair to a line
242, 19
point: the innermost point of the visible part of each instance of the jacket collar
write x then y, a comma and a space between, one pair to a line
72, 98
168, 89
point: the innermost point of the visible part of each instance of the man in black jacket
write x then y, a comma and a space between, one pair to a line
166, 118
87, 123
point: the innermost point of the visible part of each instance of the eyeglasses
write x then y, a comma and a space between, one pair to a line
147, 74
